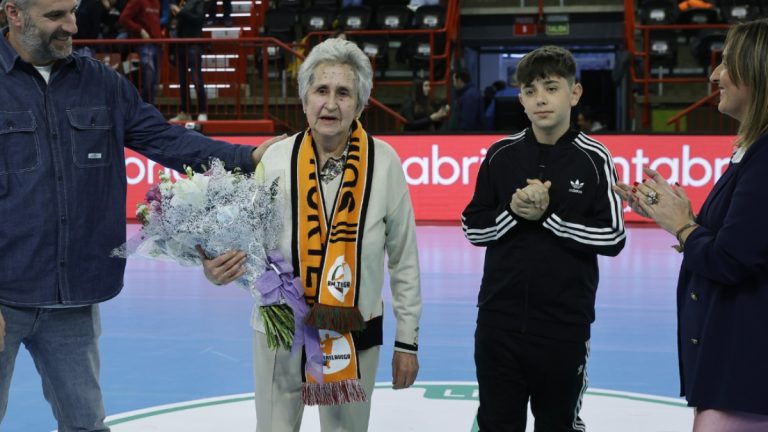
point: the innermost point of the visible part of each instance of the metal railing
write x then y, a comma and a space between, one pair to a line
646, 80
251, 77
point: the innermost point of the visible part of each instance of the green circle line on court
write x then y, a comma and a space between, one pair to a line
453, 391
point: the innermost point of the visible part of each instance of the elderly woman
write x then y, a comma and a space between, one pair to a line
347, 204
722, 293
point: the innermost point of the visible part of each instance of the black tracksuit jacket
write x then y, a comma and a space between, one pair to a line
541, 276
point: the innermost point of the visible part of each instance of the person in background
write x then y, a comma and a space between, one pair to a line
66, 122
334, 157
544, 209
142, 20
190, 16
500, 89
419, 110
722, 292
90, 14
467, 113
587, 121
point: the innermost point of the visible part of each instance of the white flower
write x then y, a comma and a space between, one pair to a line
226, 215
220, 211
191, 192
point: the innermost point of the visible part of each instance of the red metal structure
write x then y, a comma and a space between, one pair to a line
642, 55
249, 77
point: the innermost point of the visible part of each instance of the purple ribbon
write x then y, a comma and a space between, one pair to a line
277, 285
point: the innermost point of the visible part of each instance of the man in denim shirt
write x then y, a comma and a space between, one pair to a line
65, 121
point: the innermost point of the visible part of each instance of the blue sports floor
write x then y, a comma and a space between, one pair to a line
172, 337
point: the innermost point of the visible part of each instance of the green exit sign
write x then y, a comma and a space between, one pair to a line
557, 29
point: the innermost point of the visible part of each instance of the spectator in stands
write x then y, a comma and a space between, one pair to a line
142, 20
467, 113
544, 209
90, 14
500, 89
62, 200
335, 83
722, 292
190, 16
587, 121
110, 22
419, 109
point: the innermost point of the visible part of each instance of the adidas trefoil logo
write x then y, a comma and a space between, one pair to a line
576, 186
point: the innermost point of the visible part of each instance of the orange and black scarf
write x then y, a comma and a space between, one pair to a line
327, 249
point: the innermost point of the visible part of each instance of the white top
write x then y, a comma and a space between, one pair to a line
389, 227
45, 72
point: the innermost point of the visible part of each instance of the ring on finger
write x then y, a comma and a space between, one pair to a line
652, 197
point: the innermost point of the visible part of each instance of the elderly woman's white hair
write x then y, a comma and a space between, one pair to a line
338, 51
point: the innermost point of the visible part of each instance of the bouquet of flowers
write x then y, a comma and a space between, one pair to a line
221, 211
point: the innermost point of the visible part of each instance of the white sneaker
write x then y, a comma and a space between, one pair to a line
202, 117
181, 117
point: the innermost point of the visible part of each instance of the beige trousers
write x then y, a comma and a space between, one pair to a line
278, 392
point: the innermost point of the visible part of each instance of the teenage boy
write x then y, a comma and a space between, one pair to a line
544, 209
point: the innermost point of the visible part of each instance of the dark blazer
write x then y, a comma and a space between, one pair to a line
722, 293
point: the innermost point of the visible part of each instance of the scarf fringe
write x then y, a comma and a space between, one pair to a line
333, 393
339, 319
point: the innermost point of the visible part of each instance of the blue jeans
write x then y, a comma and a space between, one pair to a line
149, 62
64, 346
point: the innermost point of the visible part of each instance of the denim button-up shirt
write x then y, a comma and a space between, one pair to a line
62, 175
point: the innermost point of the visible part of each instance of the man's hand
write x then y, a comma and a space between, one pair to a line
532, 201
259, 151
405, 367
224, 268
2, 332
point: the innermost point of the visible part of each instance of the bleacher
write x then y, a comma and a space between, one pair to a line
249, 66
658, 55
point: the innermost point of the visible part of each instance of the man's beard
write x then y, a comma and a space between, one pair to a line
40, 46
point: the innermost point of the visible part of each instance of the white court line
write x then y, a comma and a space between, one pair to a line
443, 406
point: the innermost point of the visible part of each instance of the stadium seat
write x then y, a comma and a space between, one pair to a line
739, 11
279, 23
377, 49
419, 53
706, 42
295, 4
657, 12
663, 50
393, 17
698, 16
354, 18
429, 17
317, 18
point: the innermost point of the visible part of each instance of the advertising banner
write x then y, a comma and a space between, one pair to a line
441, 169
